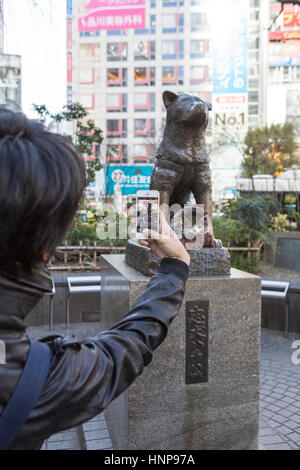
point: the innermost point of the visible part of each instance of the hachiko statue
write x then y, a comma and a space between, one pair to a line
181, 168
182, 165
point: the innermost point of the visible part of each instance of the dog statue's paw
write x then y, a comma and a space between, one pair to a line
217, 243
211, 242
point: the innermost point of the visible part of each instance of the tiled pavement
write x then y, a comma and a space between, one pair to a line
279, 398
93, 435
279, 393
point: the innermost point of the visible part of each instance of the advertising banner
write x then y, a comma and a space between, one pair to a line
230, 93
230, 84
113, 19
113, 3
130, 178
284, 35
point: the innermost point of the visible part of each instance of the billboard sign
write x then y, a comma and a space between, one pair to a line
230, 57
113, 19
284, 35
69, 7
130, 178
230, 83
113, 3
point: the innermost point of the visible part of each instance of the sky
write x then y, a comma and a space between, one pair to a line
36, 30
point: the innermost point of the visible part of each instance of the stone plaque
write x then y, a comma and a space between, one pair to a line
196, 342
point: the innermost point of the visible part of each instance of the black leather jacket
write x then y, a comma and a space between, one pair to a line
85, 376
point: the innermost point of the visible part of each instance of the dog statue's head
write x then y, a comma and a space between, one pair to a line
188, 112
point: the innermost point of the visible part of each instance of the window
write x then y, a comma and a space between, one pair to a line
172, 75
197, 3
198, 74
173, 23
116, 102
117, 153
144, 50
298, 73
144, 102
253, 109
253, 83
116, 51
89, 34
253, 96
253, 70
144, 76
117, 32
198, 21
144, 127
116, 77
199, 48
173, 49
87, 101
286, 74
173, 3
254, 43
254, 16
141, 152
203, 95
88, 76
116, 127
254, 55
151, 29
89, 50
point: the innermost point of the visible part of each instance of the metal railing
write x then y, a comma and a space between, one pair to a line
81, 257
87, 257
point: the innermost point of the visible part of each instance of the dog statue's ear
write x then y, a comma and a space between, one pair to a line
169, 97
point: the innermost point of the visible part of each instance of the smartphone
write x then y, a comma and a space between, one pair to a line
147, 212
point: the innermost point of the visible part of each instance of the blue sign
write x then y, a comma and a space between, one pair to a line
231, 54
69, 7
130, 178
284, 62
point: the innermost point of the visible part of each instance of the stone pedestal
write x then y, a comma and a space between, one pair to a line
201, 389
204, 261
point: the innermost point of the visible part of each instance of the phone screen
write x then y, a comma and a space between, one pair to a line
147, 214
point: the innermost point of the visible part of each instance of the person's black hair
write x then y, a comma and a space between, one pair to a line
42, 179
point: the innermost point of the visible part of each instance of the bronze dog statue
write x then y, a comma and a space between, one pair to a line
182, 163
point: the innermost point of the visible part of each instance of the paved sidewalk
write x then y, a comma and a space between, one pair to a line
279, 396
279, 393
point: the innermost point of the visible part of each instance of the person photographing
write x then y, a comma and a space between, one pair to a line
42, 180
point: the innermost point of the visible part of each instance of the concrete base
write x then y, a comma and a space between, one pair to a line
178, 403
205, 262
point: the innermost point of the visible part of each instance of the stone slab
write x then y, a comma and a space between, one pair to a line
204, 261
160, 411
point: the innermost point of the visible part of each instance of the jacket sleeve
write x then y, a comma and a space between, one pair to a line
91, 373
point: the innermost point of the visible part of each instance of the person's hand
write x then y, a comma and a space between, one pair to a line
165, 244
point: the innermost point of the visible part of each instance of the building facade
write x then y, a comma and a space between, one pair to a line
10, 73
284, 65
122, 55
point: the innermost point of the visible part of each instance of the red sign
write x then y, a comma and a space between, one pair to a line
291, 19
113, 19
69, 68
283, 35
113, 3
234, 99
